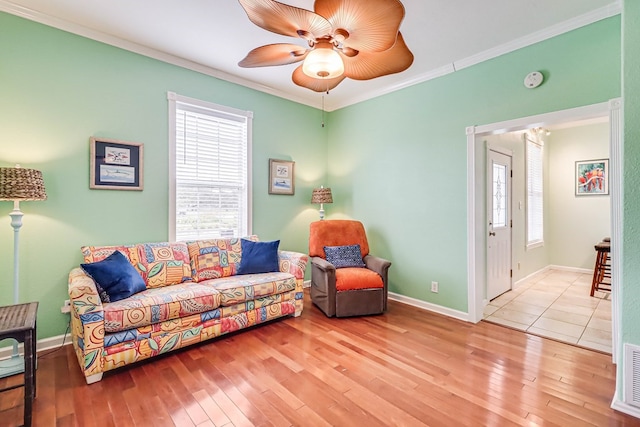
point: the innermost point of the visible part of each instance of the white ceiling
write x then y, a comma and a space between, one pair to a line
211, 36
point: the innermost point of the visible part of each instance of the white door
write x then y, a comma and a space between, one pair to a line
499, 223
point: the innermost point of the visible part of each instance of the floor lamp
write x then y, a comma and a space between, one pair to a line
17, 185
321, 195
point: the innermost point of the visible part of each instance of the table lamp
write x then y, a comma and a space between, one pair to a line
321, 195
18, 185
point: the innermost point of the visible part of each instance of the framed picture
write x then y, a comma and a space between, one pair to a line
116, 165
281, 177
592, 177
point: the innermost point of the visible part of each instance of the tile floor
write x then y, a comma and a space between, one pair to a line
556, 304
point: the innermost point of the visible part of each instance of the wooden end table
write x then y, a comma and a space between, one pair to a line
19, 322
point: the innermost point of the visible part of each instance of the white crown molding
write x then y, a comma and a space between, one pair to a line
61, 24
429, 75
547, 33
544, 34
569, 25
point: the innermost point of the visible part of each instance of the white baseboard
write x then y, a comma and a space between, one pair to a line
42, 345
429, 306
625, 408
552, 267
572, 269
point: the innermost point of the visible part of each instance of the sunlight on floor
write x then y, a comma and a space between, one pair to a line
556, 304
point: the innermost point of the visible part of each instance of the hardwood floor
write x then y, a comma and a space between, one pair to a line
407, 367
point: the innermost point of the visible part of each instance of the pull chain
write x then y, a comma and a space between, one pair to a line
323, 104
323, 110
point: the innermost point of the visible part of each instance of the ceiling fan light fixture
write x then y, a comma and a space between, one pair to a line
323, 62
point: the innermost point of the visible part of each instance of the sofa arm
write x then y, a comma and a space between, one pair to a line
87, 322
83, 293
293, 262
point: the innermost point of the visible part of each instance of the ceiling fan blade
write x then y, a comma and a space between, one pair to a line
369, 65
274, 54
372, 25
284, 19
317, 85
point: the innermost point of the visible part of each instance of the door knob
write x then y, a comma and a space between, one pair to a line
491, 233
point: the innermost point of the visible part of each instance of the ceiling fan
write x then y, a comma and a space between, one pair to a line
358, 39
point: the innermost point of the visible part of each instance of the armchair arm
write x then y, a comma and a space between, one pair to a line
323, 264
323, 285
379, 265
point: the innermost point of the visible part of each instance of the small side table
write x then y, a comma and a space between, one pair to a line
19, 322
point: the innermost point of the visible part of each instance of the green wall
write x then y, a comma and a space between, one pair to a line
630, 292
58, 90
399, 162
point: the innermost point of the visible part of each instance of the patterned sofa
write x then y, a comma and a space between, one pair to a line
193, 294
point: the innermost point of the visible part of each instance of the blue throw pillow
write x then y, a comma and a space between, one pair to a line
115, 276
259, 257
344, 256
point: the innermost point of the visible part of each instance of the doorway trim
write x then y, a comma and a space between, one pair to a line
476, 248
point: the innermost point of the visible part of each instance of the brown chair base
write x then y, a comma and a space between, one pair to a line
361, 302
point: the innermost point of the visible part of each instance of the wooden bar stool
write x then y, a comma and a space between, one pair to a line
602, 269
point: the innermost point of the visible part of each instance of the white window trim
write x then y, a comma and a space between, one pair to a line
532, 244
174, 98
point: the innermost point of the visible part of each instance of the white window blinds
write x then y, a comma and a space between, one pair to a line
535, 223
211, 171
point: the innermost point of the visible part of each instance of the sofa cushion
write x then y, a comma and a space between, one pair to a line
259, 257
238, 289
344, 256
349, 279
115, 276
164, 263
159, 305
215, 258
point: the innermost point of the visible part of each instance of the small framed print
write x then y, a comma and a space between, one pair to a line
281, 177
116, 165
592, 177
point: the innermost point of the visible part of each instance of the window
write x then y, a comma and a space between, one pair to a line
209, 192
535, 229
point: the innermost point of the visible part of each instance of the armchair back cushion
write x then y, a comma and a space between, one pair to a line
336, 232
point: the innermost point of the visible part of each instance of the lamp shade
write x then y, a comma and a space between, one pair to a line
323, 62
321, 195
18, 184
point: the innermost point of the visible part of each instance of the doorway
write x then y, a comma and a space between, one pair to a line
477, 250
554, 232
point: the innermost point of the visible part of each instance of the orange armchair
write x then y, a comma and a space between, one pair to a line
348, 291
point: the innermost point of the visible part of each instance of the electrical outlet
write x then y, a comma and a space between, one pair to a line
66, 308
434, 287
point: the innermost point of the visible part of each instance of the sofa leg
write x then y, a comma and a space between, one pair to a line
94, 378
